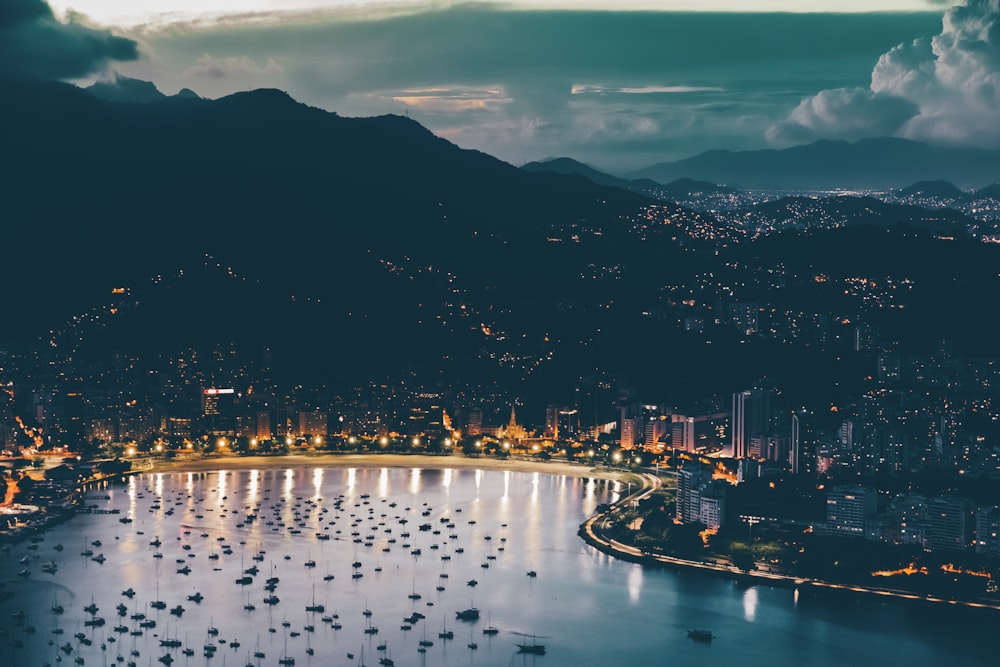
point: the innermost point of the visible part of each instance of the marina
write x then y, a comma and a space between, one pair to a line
576, 607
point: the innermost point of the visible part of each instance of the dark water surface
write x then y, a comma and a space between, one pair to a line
586, 608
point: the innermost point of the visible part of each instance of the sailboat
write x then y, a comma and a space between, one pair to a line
532, 648
489, 629
285, 660
158, 603
445, 632
315, 607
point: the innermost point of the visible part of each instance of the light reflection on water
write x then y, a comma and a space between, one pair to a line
586, 607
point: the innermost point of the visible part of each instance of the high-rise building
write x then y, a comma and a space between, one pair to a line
426, 415
699, 498
751, 415
313, 423
847, 508
628, 432
988, 531
218, 411
474, 424
74, 424
682, 432
950, 524
552, 421
264, 431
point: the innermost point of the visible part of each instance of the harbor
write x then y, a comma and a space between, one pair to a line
392, 566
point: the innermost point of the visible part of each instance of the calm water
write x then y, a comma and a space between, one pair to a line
586, 608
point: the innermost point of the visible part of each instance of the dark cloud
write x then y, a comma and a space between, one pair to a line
618, 89
34, 44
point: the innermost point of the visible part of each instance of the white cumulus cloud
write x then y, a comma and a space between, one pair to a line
943, 89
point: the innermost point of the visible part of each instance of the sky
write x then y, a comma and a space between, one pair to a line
619, 85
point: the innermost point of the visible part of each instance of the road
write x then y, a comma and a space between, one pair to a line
595, 529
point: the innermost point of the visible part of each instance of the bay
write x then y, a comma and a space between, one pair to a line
491, 526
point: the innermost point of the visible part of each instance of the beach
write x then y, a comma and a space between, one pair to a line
384, 461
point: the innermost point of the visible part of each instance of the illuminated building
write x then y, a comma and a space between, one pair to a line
217, 410
700, 499
751, 416
474, 424
950, 524
682, 432
988, 531
847, 508
426, 415
263, 430
313, 422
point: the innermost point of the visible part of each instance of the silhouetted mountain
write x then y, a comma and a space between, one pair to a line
374, 242
935, 189
830, 212
125, 89
565, 165
869, 163
681, 189
360, 246
992, 191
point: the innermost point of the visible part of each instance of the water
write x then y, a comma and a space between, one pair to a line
586, 608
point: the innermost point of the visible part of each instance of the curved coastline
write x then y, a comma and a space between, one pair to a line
589, 530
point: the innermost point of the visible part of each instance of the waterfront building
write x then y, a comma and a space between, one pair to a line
988, 531
950, 525
847, 508
699, 497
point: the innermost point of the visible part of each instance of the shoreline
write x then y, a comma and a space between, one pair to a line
589, 529
379, 460
586, 531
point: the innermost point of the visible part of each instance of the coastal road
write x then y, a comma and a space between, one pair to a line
595, 527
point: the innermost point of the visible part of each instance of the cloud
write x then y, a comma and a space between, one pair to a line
234, 67
618, 89
583, 89
843, 113
943, 89
34, 44
451, 98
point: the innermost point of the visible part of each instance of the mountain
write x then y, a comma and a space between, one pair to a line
679, 190
885, 163
350, 245
366, 248
992, 191
933, 189
831, 212
125, 89
565, 165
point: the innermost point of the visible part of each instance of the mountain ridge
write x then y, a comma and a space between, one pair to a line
879, 163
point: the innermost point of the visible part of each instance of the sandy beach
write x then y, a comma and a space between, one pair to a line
384, 461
